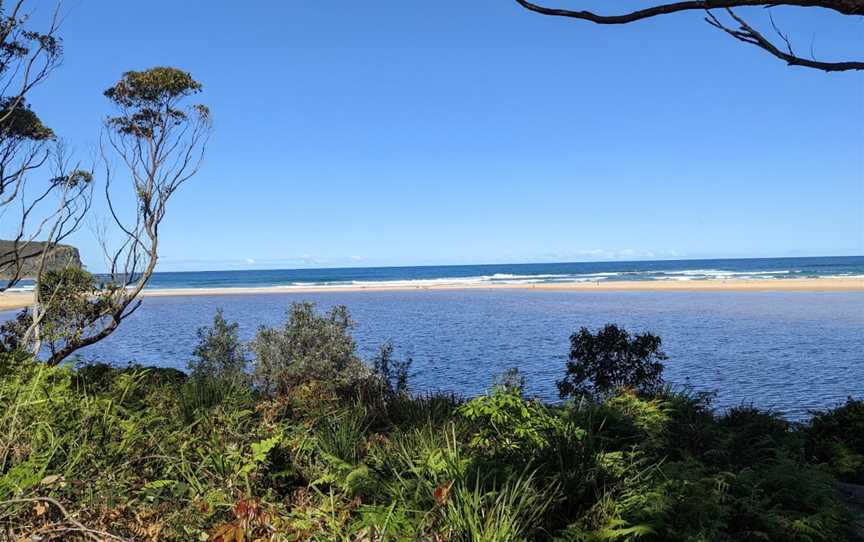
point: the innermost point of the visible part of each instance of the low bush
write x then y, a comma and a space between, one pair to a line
610, 359
307, 347
220, 354
836, 438
97, 452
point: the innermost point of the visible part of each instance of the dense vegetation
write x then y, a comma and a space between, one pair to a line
310, 443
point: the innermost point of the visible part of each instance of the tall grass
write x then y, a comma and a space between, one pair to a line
511, 512
147, 455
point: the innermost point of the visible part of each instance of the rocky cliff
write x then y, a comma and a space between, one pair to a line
59, 257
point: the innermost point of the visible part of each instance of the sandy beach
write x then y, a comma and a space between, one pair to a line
17, 300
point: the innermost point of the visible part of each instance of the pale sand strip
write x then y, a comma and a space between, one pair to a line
17, 300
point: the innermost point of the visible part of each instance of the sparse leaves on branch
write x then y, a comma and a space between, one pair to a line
37, 212
160, 140
150, 101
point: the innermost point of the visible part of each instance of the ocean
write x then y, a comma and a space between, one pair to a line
530, 273
792, 352
675, 270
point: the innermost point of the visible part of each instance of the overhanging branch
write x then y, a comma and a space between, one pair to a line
845, 7
744, 32
748, 34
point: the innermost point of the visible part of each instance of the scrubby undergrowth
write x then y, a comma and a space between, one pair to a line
98, 453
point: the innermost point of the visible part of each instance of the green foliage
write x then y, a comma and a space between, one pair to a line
24, 55
149, 101
632, 420
148, 454
12, 333
341, 437
20, 122
197, 396
307, 347
752, 436
505, 422
70, 300
393, 373
836, 437
219, 354
510, 513
610, 359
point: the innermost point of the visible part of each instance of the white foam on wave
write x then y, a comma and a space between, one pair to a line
678, 275
508, 276
20, 288
498, 278
720, 274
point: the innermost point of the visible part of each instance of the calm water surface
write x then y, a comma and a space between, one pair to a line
792, 352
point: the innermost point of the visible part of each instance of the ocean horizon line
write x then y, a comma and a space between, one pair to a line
519, 274
508, 263
549, 272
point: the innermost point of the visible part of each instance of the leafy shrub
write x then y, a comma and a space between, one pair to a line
836, 437
219, 353
101, 377
307, 347
692, 429
12, 333
610, 359
197, 396
393, 373
505, 422
148, 454
630, 420
785, 500
752, 436
341, 436
70, 299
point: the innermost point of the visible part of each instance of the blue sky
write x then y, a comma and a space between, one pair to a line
393, 132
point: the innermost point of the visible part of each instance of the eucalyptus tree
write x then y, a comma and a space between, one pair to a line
39, 207
155, 142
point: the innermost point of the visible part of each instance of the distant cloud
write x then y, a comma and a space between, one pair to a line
288, 262
603, 254
310, 261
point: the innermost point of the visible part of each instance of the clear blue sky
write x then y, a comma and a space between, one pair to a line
394, 132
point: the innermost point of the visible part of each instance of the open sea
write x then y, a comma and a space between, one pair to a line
680, 270
788, 351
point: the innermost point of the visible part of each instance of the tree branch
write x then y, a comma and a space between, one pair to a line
747, 34
845, 7
744, 32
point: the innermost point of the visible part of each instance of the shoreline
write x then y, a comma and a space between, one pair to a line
18, 300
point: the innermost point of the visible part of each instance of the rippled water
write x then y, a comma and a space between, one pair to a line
792, 352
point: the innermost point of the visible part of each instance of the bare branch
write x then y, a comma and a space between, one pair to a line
845, 7
747, 34
744, 32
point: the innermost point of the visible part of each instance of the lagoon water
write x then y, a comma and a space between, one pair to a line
788, 351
